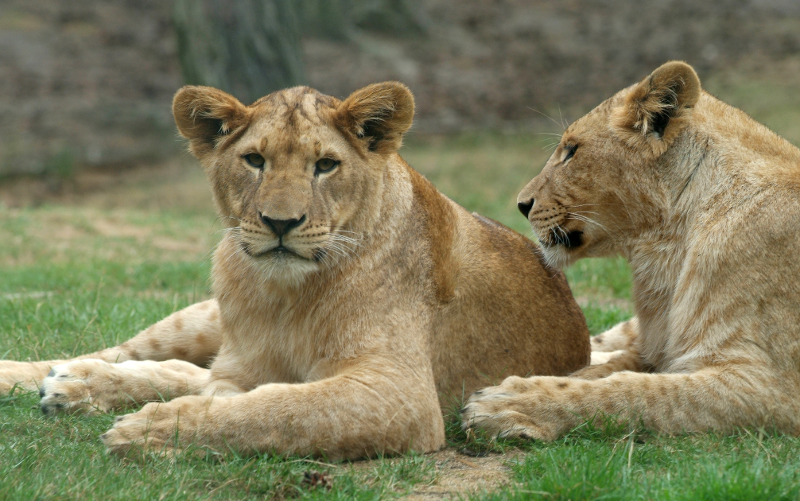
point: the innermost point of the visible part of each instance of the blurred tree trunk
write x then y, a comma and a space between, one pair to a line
338, 19
327, 18
390, 17
248, 48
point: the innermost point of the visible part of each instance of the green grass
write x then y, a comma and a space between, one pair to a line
62, 458
80, 277
704, 467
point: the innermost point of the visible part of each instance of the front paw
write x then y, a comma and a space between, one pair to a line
163, 428
518, 408
78, 386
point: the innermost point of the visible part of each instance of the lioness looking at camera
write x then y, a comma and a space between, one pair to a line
705, 205
352, 299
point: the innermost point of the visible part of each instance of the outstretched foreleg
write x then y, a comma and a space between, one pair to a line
379, 406
715, 398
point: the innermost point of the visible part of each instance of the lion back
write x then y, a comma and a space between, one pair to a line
500, 309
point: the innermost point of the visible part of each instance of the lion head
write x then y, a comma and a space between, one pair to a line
597, 189
297, 176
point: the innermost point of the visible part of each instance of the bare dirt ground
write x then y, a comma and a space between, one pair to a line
458, 475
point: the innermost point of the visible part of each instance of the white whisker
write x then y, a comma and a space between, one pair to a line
587, 220
549, 118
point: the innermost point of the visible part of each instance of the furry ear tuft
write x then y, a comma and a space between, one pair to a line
377, 116
658, 108
206, 116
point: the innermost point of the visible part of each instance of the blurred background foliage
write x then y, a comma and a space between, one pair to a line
89, 83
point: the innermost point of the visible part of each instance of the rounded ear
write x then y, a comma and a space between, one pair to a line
378, 115
659, 107
206, 116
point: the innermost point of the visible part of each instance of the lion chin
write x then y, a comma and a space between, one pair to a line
285, 268
556, 256
282, 265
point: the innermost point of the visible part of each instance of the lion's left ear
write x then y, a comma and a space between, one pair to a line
378, 115
659, 107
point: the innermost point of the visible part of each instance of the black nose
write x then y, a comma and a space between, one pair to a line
281, 226
525, 207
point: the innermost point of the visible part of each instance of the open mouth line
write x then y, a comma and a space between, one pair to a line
278, 250
569, 239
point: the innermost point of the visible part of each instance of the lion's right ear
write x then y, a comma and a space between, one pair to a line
205, 116
658, 107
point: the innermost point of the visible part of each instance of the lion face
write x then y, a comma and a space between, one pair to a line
596, 192
296, 175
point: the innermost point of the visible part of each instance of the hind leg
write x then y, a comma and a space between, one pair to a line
613, 351
193, 334
622, 336
92, 385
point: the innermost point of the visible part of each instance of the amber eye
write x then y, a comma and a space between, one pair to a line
254, 160
570, 151
325, 165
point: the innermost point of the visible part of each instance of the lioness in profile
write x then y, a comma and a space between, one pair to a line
351, 298
705, 204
